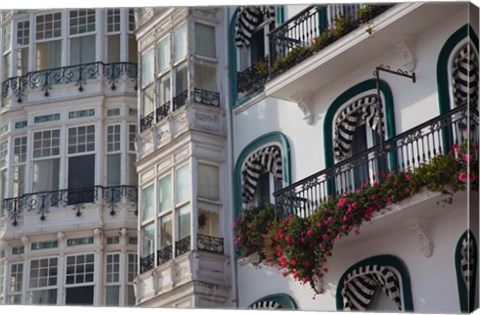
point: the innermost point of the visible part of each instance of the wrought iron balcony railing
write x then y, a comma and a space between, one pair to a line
47, 80
199, 96
42, 202
182, 246
253, 78
164, 255
147, 263
404, 152
210, 244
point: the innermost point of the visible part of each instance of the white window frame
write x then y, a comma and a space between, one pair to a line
86, 143
12, 287
45, 287
75, 274
113, 274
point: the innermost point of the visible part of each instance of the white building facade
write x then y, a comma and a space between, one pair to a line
68, 180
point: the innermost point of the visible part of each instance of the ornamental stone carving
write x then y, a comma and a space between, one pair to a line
304, 101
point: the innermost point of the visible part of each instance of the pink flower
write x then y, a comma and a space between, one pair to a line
339, 236
322, 247
309, 232
307, 264
462, 177
342, 202
374, 197
319, 224
293, 262
389, 200
330, 219
303, 239
325, 237
368, 215
407, 177
472, 177
358, 191
467, 157
295, 275
345, 218
325, 270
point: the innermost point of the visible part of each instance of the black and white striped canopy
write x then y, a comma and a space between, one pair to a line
248, 19
465, 76
467, 254
264, 159
266, 305
346, 122
361, 283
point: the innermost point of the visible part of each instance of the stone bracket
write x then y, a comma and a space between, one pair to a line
420, 228
405, 45
304, 101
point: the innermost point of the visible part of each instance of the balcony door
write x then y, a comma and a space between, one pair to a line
81, 179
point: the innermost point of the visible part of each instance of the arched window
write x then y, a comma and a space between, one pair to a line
466, 258
457, 69
365, 285
262, 168
274, 302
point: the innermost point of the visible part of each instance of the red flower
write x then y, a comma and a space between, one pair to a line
462, 177
309, 232
307, 264
293, 262
325, 237
325, 270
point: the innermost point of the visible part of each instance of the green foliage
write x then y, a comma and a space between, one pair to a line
301, 246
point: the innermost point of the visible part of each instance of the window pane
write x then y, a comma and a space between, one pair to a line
164, 89
82, 50
147, 67
22, 61
147, 203
113, 46
182, 184
46, 175
208, 181
132, 170
163, 54
132, 49
181, 79
165, 193
130, 295
166, 231
148, 102
180, 42
18, 180
205, 40
148, 234
184, 222
49, 55
113, 170
209, 222
112, 295
7, 61
43, 297
205, 75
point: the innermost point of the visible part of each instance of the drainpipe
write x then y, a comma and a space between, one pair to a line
230, 161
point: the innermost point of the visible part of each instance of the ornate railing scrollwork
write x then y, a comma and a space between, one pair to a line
146, 122
180, 100
406, 151
210, 244
182, 246
163, 111
164, 255
79, 75
147, 263
43, 202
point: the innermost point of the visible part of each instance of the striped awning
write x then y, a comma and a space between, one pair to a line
248, 19
360, 285
465, 76
364, 108
266, 305
265, 159
468, 254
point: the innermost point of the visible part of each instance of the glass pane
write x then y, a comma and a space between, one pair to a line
48, 55
82, 50
132, 170
148, 102
208, 181
208, 222
206, 75
22, 61
43, 297
113, 46
184, 222
130, 295
7, 61
46, 175
163, 54
18, 180
132, 49
166, 231
113, 170
112, 297
164, 89
205, 40
180, 42
148, 240
181, 79
147, 67
182, 183
147, 203
165, 193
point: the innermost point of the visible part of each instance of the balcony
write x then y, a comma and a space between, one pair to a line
405, 152
205, 243
58, 82
198, 96
113, 198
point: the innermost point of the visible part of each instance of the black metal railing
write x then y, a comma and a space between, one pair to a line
210, 244
252, 79
164, 255
406, 151
43, 201
182, 246
180, 100
163, 111
147, 263
147, 121
46, 80
205, 97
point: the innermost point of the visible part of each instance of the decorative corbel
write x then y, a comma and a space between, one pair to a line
406, 47
304, 101
421, 230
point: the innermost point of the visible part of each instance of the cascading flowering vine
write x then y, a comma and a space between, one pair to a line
301, 247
